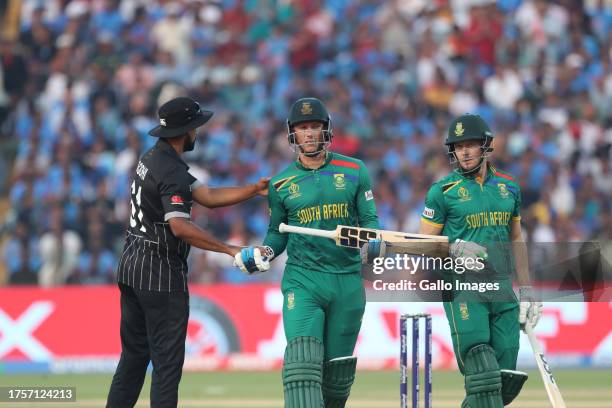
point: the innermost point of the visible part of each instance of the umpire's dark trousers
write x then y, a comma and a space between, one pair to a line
153, 328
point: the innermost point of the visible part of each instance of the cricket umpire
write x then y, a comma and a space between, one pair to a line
152, 271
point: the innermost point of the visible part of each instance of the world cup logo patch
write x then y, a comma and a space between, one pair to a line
294, 190
464, 194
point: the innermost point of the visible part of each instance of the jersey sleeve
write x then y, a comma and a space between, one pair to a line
366, 207
274, 239
175, 191
434, 212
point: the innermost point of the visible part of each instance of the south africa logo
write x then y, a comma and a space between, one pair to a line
339, 181
463, 310
503, 190
290, 300
306, 108
459, 130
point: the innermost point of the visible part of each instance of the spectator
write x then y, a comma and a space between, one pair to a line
503, 89
13, 76
171, 33
59, 250
20, 254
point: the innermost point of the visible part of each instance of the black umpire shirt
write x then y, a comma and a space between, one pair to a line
153, 258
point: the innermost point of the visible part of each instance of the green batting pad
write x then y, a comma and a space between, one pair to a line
512, 383
338, 377
302, 371
482, 378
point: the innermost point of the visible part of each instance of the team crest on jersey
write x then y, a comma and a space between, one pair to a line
294, 190
290, 300
459, 129
339, 181
176, 200
463, 310
464, 194
306, 108
503, 190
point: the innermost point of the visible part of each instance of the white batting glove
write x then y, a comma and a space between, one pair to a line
529, 309
250, 260
374, 248
468, 250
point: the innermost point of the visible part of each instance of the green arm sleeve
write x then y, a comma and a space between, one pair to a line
434, 211
278, 214
517, 203
366, 207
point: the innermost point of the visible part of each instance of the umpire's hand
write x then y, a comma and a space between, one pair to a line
251, 260
261, 187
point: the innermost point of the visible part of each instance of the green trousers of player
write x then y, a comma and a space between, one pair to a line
491, 322
326, 306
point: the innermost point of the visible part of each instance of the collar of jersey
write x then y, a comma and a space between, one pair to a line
300, 166
167, 147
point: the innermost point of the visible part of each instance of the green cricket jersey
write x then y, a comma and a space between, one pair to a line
337, 193
479, 212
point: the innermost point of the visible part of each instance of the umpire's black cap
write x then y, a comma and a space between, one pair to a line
178, 116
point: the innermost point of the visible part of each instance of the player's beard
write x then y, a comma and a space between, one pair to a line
188, 144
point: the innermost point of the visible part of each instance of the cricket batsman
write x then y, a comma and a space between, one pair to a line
478, 207
323, 294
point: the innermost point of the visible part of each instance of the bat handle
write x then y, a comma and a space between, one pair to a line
284, 228
532, 339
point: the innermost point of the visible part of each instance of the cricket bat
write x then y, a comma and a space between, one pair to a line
554, 395
356, 237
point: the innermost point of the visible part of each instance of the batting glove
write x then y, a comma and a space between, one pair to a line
250, 260
374, 248
529, 309
467, 249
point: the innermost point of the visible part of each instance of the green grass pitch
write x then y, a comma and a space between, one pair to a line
373, 389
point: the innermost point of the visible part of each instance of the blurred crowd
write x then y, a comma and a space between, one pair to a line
81, 82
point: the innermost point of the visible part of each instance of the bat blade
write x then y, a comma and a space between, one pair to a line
416, 244
425, 247
552, 389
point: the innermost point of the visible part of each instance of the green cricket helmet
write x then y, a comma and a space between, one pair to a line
469, 127
309, 110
